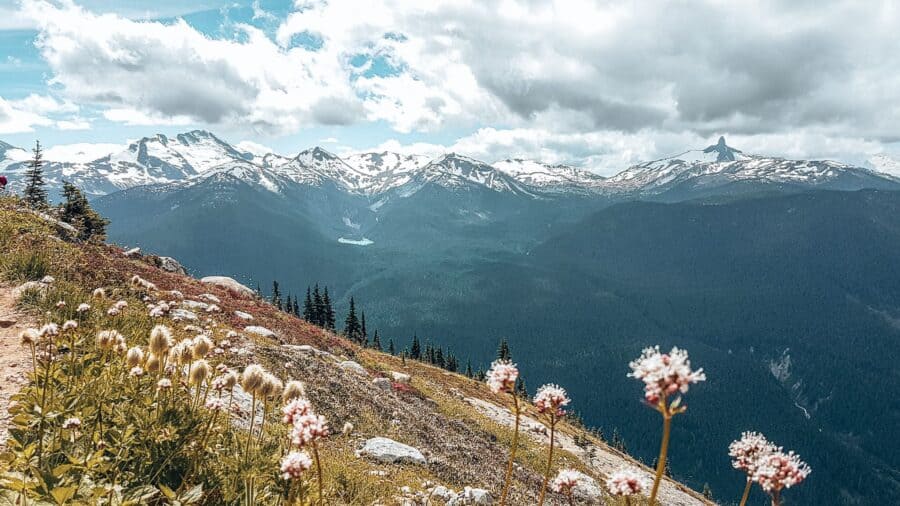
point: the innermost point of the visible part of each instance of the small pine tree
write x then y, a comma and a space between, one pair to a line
415, 350
707, 491
352, 328
376, 341
77, 211
296, 308
328, 314
469, 373
258, 291
318, 307
503, 350
308, 312
35, 194
521, 389
363, 331
391, 349
452, 363
289, 304
439, 358
618, 443
276, 295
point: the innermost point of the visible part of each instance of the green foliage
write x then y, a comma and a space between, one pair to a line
35, 193
77, 211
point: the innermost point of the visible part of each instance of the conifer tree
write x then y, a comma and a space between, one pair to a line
288, 304
258, 291
707, 491
276, 295
618, 443
391, 349
439, 358
503, 350
77, 211
318, 307
363, 331
521, 389
469, 372
351, 324
296, 308
35, 194
308, 312
452, 363
328, 311
415, 350
376, 341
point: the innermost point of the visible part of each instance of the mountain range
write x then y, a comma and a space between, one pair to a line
780, 276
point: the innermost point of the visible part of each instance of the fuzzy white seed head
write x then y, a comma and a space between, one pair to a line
83, 308
252, 378
160, 340
199, 372
69, 325
134, 357
293, 390
201, 347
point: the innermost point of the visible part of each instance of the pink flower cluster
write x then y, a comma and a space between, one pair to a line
664, 374
779, 470
502, 376
747, 451
565, 481
551, 399
308, 428
294, 464
626, 481
293, 410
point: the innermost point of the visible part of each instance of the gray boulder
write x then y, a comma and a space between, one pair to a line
388, 451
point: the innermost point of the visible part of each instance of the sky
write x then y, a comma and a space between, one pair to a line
599, 85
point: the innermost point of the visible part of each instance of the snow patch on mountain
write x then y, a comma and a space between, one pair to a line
356, 242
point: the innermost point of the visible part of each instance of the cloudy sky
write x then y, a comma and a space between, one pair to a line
595, 84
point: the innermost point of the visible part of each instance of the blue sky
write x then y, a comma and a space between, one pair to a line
596, 84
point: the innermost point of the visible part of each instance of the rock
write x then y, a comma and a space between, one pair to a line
5, 323
400, 377
183, 314
229, 284
382, 383
471, 496
349, 365
443, 493
388, 451
193, 304
18, 291
169, 264
243, 316
132, 252
260, 331
208, 297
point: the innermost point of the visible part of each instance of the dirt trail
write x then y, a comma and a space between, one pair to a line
14, 359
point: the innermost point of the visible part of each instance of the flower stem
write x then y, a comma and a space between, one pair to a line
512, 452
250, 434
661, 463
776, 498
549, 460
315, 449
746, 492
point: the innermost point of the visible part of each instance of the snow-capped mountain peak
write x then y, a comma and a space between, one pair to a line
723, 152
549, 176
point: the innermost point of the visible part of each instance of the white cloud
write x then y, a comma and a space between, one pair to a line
254, 147
81, 152
15, 119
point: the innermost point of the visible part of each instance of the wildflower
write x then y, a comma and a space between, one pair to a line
29, 336
664, 374
230, 380
221, 368
106, 339
164, 384
69, 325
136, 372
98, 293
61, 304
626, 481
159, 310
48, 280
293, 390
160, 340
121, 304
747, 451
294, 409
83, 308
777, 471
252, 378
199, 372
565, 482
348, 429
308, 428
134, 357
551, 398
71, 423
153, 363
49, 330
294, 464
215, 404
183, 351
120, 346
502, 376
112, 311
201, 347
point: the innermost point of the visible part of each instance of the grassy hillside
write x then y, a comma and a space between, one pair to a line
95, 425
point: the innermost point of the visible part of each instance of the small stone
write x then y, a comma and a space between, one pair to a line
382, 383
228, 284
260, 331
243, 316
400, 377
349, 365
388, 451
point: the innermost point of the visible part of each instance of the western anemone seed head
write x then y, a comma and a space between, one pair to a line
626, 481
49, 330
184, 351
779, 470
551, 399
164, 384
69, 325
199, 372
348, 429
294, 464
252, 378
153, 363
98, 293
293, 390
747, 451
106, 339
160, 340
136, 371
201, 347
29, 336
134, 357
664, 374
502, 376
229, 380
294, 409
308, 428
121, 304
83, 308
565, 481
112, 311
71, 423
